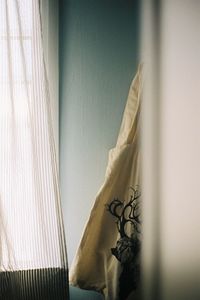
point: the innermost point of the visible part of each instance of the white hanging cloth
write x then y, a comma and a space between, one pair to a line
108, 257
33, 262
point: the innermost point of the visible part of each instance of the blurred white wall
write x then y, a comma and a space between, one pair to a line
171, 149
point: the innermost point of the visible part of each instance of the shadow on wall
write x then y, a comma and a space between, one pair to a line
78, 294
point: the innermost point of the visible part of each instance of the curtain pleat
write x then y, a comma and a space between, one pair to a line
33, 259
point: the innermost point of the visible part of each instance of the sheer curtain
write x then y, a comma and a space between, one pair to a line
33, 263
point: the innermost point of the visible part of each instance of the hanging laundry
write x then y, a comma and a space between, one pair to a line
108, 257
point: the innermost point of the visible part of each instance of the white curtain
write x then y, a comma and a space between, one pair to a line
33, 262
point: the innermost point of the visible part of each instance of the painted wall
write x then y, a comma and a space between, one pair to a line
98, 58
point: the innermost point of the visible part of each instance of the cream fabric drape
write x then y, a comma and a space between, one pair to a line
33, 263
107, 259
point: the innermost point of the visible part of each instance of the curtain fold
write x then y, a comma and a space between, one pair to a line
33, 259
108, 257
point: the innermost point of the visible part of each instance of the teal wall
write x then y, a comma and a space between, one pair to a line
98, 58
